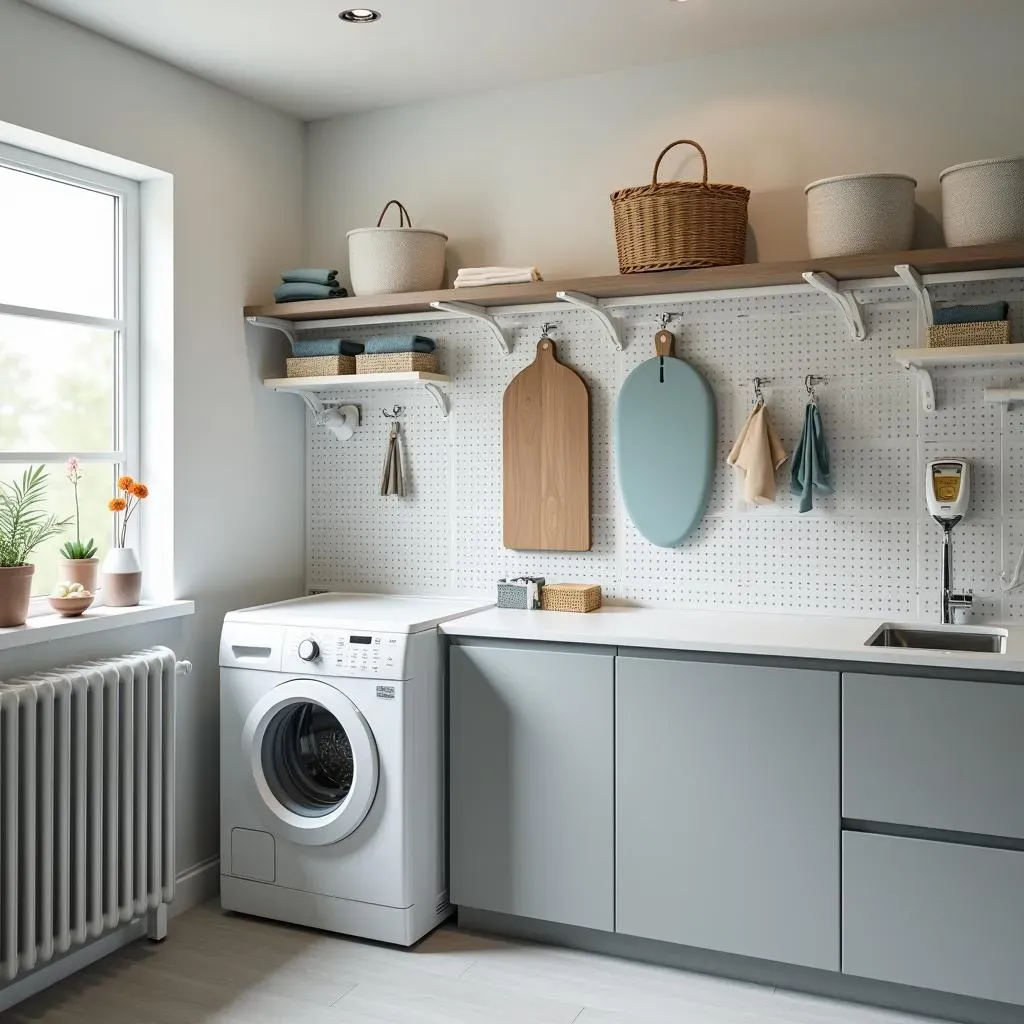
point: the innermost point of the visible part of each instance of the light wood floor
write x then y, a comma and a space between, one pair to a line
223, 969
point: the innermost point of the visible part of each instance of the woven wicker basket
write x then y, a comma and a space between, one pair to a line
992, 332
571, 597
320, 366
397, 362
677, 224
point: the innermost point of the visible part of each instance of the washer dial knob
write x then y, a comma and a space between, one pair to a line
309, 650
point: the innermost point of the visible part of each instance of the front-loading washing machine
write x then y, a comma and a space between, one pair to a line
332, 763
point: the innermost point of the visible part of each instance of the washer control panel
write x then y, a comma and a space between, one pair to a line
335, 652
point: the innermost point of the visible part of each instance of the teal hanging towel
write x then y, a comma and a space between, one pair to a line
812, 467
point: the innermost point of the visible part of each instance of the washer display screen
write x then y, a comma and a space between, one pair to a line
307, 759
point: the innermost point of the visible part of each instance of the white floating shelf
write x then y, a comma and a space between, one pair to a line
356, 380
309, 387
922, 360
959, 355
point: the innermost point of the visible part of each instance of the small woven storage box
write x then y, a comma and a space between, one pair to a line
993, 332
397, 362
676, 224
571, 597
320, 366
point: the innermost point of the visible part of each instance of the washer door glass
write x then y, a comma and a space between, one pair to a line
307, 759
314, 762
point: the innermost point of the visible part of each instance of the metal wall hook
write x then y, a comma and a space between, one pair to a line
396, 411
811, 382
758, 393
545, 331
666, 319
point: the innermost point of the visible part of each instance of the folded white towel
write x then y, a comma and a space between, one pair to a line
474, 277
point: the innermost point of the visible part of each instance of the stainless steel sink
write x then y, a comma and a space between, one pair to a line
943, 638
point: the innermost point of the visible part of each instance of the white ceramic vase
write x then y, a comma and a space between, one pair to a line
121, 578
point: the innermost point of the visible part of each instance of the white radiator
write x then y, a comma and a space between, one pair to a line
86, 803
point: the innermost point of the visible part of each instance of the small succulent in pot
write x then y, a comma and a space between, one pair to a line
80, 564
24, 525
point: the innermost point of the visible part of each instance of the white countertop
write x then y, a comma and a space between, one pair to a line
774, 636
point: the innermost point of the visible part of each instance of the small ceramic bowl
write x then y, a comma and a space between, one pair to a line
71, 606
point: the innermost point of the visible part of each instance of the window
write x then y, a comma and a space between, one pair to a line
69, 376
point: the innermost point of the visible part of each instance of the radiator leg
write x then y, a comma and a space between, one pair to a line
156, 923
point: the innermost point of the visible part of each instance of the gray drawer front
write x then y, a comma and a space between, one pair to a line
937, 753
934, 915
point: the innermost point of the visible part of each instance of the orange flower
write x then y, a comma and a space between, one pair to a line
140, 490
117, 504
125, 483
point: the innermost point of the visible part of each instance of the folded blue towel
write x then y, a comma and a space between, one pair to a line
326, 347
812, 468
310, 275
982, 313
399, 343
298, 291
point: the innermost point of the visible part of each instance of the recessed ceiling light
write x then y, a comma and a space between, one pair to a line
360, 16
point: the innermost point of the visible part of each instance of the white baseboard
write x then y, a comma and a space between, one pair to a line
197, 885
192, 887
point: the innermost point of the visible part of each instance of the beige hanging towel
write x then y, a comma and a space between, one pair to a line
758, 453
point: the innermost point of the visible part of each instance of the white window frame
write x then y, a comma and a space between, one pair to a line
124, 324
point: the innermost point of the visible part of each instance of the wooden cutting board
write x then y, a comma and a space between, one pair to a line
547, 457
665, 445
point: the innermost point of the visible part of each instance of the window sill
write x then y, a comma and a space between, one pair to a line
43, 628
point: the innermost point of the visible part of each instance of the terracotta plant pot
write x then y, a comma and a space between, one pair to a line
121, 578
79, 570
15, 594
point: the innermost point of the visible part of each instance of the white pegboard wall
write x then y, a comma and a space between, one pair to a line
867, 549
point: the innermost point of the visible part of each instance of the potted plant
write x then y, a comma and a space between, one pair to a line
79, 564
122, 574
24, 525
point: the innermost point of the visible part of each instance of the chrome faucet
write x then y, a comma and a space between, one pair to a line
947, 567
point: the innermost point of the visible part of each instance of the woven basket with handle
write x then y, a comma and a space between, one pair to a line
673, 225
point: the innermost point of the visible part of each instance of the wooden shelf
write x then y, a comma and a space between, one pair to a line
671, 282
353, 380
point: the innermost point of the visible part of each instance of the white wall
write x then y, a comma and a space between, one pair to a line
235, 527
523, 176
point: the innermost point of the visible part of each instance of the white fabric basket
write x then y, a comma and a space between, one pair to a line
385, 261
860, 213
983, 202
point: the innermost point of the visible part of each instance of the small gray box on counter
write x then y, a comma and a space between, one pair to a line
522, 592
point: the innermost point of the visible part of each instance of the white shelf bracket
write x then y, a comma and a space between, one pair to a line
912, 279
438, 396
589, 303
286, 327
926, 387
475, 312
341, 420
845, 301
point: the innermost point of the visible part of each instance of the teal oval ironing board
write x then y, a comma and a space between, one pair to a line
666, 445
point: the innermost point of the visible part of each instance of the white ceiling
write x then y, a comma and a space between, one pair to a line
296, 55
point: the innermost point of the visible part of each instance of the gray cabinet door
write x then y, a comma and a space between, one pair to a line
934, 915
727, 830
532, 783
937, 753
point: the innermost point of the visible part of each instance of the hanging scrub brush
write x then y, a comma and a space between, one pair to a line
393, 480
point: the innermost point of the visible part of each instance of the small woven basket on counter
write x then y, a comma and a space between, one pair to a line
571, 597
678, 224
992, 332
398, 362
320, 366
